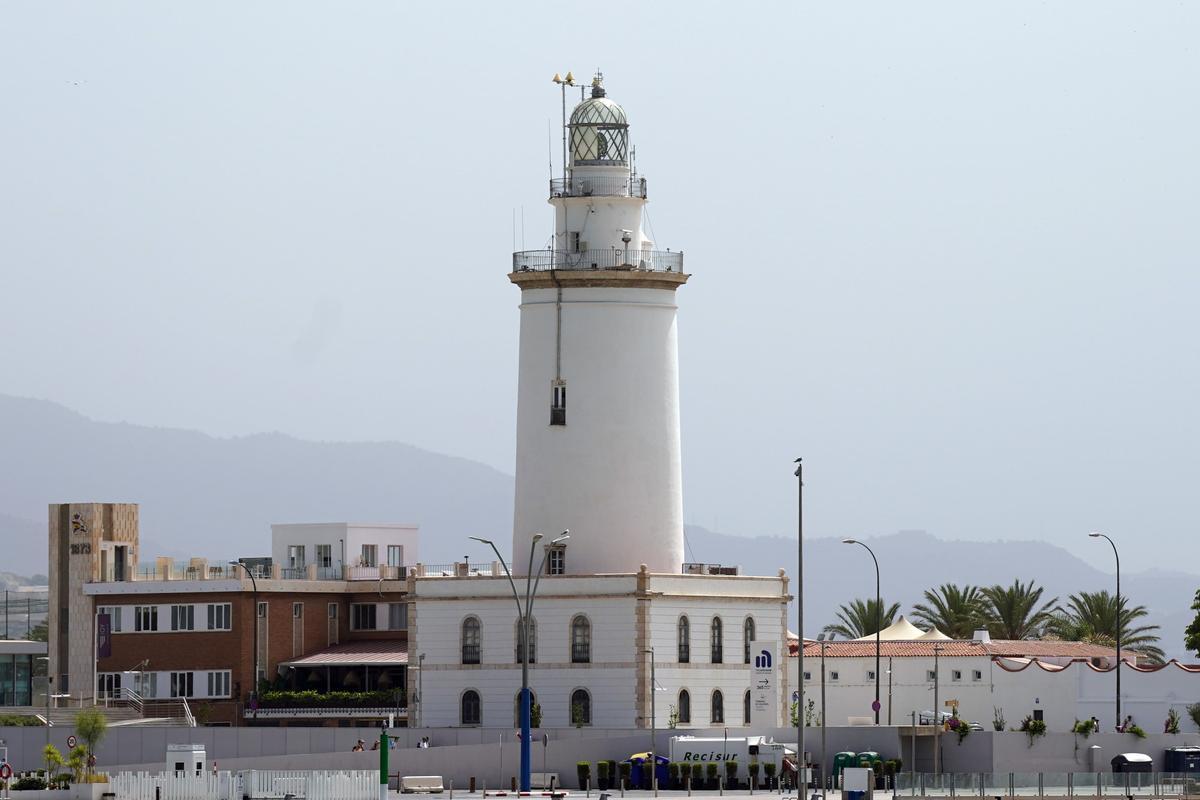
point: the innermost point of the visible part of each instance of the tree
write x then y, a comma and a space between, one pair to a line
1092, 617
39, 632
859, 618
1014, 613
53, 760
1192, 633
91, 725
955, 611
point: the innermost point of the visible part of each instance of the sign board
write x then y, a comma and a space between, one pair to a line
72, 741
764, 683
103, 636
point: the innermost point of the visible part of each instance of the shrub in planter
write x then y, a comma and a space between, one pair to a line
1084, 728
602, 775
625, 768
697, 774
752, 769
29, 783
899, 763
1033, 728
646, 779
673, 774
1137, 731
584, 771
769, 771
710, 774
731, 769
612, 773
877, 769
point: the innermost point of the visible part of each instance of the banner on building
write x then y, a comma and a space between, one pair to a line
764, 683
103, 636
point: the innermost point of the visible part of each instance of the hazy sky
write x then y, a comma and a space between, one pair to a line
945, 251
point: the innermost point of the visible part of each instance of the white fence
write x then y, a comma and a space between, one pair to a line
256, 784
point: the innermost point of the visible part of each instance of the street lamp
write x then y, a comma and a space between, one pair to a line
824, 639
1117, 556
937, 716
531, 583
878, 622
420, 696
653, 722
254, 682
802, 761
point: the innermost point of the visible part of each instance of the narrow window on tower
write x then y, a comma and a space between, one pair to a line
573, 243
558, 402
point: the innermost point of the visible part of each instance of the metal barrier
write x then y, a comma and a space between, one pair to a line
646, 260
1045, 784
626, 186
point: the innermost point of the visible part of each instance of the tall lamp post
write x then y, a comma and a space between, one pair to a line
420, 693
801, 761
653, 722
824, 639
531, 583
937, 716
1117, 556
878, 622
254, 682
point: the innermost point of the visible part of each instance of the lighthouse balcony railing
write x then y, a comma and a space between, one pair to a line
614, 258
599, 186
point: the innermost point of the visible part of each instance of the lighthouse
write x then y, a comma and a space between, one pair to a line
598, 390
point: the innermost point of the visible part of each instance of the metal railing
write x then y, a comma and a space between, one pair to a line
603, 186
293, 573
307, 712
645, 260
470, 654
1043, 784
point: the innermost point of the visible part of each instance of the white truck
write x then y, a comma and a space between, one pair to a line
743, 749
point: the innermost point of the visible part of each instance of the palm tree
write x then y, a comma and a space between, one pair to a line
1092, 617
955, 611
1013, 612
859, 618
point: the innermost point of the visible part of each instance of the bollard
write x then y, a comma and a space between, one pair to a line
721, 786
689, 782
622, 787
472, 788
452, 789
589, 786
654, 780
514, 783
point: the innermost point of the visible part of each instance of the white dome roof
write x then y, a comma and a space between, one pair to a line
899, 631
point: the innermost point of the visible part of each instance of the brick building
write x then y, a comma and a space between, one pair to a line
178, 639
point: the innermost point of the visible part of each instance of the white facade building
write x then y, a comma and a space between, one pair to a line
366, 550
598, 453
1059, 682
589, 641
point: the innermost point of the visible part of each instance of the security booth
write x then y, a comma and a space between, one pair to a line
185, 759
1132, 762
1182, 759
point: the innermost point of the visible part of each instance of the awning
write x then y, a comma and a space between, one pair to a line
355, 654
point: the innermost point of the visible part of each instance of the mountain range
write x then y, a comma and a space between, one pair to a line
216, 497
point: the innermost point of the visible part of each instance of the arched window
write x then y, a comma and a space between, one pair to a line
532, 641
718, 650
747, 638
470, 641
685, 707
581, 707
468, 712
581, 640
718, 707
533, 711
746, 708
685, 640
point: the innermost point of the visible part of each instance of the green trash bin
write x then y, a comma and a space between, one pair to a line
866, 759
840, 762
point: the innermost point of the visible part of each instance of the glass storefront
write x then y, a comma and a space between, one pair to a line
16, 679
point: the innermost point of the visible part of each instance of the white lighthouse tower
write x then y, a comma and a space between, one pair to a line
598, 394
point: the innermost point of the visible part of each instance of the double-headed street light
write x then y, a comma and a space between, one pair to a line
1117, 556
878, 622
532, 580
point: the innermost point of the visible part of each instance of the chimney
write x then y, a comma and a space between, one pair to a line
982, 636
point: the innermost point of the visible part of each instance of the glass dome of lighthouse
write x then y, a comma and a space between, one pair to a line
599, 131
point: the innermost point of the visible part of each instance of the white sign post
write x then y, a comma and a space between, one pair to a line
764, 684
